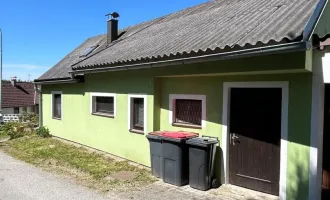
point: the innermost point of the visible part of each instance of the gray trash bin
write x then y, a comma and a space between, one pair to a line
175, 157
155, 142
201, 163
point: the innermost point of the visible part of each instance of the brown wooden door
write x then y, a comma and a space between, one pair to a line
255, 134
326, 146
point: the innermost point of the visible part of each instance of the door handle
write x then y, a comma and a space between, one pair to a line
234, 138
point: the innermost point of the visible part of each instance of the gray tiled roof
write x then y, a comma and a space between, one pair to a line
61, 69
213, 26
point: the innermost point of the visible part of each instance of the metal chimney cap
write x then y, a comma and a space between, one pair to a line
113, 15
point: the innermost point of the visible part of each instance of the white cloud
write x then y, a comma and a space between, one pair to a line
22, 71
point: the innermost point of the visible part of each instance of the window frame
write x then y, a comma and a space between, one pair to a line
52, 105
130, 107
92, 103
173, 97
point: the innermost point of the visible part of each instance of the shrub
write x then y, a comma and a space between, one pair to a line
43, 132
30, 118
15, 129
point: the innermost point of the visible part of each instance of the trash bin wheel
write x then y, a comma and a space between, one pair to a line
215, 183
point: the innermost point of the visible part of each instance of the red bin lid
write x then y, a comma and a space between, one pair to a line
179, 134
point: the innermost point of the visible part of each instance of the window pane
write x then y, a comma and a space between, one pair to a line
57, 106
138, 113
104, 105
16, 110
188, 111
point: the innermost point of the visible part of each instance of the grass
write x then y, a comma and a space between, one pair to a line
92, 169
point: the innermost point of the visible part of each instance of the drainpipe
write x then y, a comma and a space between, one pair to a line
0, 75
38, 90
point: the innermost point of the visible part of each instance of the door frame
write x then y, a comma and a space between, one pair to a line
227, 86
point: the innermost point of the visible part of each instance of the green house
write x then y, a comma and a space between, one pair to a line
250, 72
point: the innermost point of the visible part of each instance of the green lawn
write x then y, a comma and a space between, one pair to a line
90, 168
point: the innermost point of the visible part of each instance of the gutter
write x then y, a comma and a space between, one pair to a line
49, 82
281, 48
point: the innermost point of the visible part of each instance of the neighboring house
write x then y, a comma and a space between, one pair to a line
248, 72
19, 97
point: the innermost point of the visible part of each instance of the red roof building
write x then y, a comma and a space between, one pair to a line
19, 96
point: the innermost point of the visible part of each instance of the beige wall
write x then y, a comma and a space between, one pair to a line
29, 109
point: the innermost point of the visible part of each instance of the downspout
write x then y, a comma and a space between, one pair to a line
0, 75
38, 90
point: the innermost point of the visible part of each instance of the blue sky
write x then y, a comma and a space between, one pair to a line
38, 33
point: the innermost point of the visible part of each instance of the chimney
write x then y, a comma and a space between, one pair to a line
13, 81
112, 34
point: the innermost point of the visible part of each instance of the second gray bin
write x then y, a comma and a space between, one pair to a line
201, 163
175, 161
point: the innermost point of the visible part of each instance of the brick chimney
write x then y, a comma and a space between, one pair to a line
112, 33
13, 81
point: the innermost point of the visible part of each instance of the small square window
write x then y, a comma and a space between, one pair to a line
137, 114
57, 106
103, 104
188, 112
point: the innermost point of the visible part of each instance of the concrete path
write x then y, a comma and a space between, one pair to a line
163, 191
19, 180
22, 181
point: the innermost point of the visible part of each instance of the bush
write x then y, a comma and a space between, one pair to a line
43, 132
30, 118
15, 129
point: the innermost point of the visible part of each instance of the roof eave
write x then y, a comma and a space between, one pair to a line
273, 49
55, 81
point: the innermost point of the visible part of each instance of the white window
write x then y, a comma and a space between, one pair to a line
103, 104
187, 110
137, 113
57, 105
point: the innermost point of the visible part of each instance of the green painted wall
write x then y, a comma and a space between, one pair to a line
299, 118
112, 135
107, 134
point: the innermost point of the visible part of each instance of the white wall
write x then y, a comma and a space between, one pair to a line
7, 110
326, 67
29, 109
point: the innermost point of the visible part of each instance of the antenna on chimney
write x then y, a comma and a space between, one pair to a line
113, 15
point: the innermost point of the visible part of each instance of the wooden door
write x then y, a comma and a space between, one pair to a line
255, 134
326, 146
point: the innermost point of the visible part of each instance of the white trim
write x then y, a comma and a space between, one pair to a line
191, 97
326, 67
284, 127
51, 103
92, 104
129, 106
316, 133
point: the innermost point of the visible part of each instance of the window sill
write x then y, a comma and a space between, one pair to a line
57, 118
103, 115
136, 131
187, 125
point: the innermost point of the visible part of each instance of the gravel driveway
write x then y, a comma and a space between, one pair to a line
19, 180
